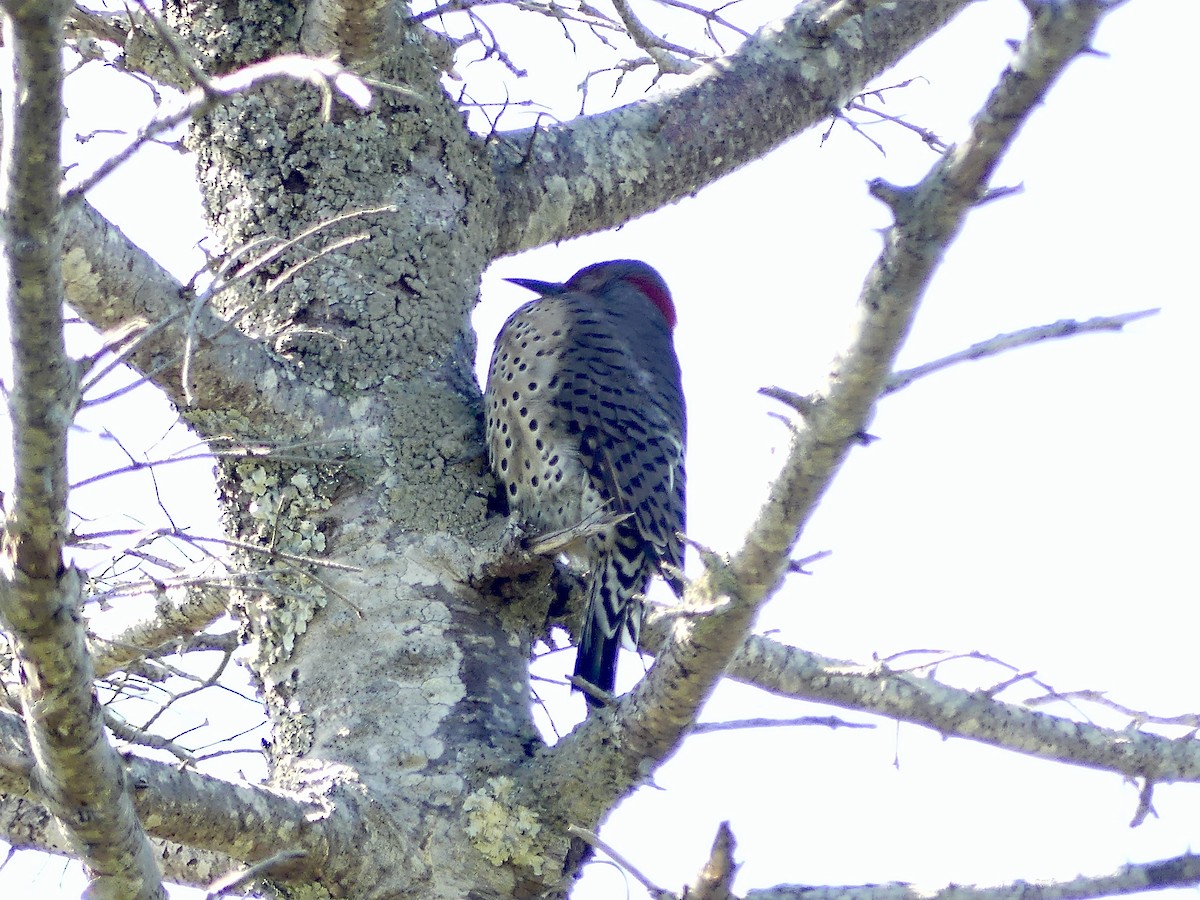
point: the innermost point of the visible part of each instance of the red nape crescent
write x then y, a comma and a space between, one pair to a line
657, 291
632, 271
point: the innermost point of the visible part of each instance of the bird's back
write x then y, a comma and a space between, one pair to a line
585, 413
585, 419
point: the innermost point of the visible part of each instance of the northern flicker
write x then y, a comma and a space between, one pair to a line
586, 422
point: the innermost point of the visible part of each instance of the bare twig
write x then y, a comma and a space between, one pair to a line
327, 76
563, 539
743, 724
927, 136
711, 17
970, 714
1061, 329
593, 840
658, 49
234, 880
1180, 871
798, 565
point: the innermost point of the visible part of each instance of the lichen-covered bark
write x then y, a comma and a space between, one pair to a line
601, 171
393, 686
361, 32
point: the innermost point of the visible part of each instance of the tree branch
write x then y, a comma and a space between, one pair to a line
1002, 342
181, 611
835, 15
138, 35
195, 810
115, 285
600, 171
716, 878
25, 825
75, 770
927, 219
359, 32
954, 712
658, 49
1179, 871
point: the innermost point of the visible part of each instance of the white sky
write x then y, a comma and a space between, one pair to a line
1039, 507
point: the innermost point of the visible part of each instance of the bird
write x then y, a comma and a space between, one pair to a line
586, 422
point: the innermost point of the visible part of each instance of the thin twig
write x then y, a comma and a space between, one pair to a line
745, 724
593, 840
1061, 329
327, 76
234, 880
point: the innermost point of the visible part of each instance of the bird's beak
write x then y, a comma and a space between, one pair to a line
549, 288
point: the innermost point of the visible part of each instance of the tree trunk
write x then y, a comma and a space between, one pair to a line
394, 685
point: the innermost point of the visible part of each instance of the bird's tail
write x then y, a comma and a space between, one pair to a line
614, 610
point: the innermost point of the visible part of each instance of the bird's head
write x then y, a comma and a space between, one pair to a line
600, 277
